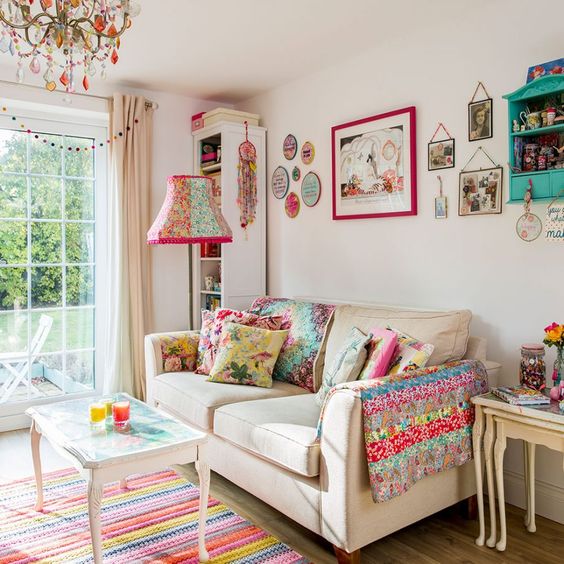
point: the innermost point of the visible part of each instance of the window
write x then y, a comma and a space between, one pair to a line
52, 184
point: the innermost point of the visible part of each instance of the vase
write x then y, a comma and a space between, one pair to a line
558, 371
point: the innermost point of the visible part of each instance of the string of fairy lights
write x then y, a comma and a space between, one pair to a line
47, 141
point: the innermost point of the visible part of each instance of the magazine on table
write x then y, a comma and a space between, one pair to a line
521, 395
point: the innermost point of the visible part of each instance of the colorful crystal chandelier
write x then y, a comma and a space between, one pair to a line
72, 37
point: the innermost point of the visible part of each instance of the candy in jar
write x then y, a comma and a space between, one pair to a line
532, 371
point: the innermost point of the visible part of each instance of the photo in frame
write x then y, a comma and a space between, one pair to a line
480, 191
440, 154
440, 207
480, 120
374, 166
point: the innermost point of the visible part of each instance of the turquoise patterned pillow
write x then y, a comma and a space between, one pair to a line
307, 323
347, 364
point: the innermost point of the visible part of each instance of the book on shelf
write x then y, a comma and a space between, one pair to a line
212, 302
521, 395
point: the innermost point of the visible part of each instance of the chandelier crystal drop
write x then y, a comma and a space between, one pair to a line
68, 37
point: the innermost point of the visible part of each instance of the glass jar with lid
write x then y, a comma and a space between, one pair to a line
532, 371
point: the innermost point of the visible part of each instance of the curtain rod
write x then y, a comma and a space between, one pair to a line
148, 103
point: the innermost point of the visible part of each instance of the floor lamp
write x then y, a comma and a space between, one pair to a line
189, 215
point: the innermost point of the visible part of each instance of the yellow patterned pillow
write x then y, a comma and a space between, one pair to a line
179, 352
247, 355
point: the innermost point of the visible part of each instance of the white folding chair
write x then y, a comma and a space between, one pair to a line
18, 364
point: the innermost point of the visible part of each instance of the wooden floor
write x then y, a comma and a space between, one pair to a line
443, 538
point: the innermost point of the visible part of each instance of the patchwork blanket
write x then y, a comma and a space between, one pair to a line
417, 423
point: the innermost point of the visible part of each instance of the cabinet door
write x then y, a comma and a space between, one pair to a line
520, 183
556, 182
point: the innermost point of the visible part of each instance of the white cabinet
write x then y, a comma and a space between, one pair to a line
241, 266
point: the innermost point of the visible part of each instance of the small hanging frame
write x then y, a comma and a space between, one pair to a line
440, 202
440, 153
480, 116
529, 225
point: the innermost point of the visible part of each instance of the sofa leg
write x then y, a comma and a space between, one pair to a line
344, 557
470, 508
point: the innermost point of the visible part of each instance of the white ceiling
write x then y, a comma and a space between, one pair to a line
231, 50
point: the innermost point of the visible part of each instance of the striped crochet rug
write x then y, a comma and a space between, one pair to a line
154, 520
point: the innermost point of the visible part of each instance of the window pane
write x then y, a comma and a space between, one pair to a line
46, 197
45, 158
80, 371
46, 286
13, 288
79, 163
13, 332
79, 199
54, 341
80, 285
80, 242
80, 328
13, 151
46, 242
47, 374
13, 242
13, 196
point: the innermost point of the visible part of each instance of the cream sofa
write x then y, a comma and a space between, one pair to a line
264, 440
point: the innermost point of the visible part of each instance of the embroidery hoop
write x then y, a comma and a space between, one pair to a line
523, 230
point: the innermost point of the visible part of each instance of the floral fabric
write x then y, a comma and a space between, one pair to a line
179, 352
380, 352
416, 423
204, 344
307, 323
410, 353
347, 364
214, 328
247, 355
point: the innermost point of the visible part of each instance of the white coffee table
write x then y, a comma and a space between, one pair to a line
153, 440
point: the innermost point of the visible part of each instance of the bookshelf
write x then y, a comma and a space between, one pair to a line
238, 269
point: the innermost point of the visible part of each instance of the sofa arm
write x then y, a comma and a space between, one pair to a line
153, 357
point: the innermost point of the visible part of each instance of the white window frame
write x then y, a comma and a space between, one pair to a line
79, 124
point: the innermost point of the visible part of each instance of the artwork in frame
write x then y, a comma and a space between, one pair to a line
440, 154
480, 191
480, 124
374, 166
440, 207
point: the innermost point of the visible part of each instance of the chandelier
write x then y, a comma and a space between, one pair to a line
69, 36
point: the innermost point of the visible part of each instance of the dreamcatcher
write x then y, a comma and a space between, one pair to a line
247, 181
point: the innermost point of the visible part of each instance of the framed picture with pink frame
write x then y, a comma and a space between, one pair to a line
374, 166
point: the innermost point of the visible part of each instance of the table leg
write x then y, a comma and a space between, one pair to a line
489, 439
531, 526
499, 450
477, 433
204, 477
95, 493
526, 478
36, 455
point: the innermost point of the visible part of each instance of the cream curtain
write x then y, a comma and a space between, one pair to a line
129, 269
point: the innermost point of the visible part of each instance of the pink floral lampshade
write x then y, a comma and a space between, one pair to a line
189, 214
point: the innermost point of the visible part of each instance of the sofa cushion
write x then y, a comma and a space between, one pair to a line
281, 430
448, 331
194, 399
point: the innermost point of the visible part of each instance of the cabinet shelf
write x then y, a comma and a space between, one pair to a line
210, 258
211, 168
558, 128
210, 293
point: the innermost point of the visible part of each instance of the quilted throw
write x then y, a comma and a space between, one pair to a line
307, 323
417, 423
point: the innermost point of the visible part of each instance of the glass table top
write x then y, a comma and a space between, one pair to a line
68, 423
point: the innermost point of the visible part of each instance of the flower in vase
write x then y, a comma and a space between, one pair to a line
554, 335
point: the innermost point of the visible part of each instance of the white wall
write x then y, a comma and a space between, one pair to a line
513, 288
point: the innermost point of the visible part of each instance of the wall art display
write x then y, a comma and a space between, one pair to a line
554, 224
280, 182
440, 152
292, 205
374, 166
308, 153
440, 202
480, 191
480, 116
311, 189
296, 174
552, 67
529, 225
290, 147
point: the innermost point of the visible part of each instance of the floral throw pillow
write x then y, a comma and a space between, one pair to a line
179, 352
380, 352
247, 355
307, 323
208, 317
410, 354
214, 328
347, 363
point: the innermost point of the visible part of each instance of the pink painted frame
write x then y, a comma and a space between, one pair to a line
412, 163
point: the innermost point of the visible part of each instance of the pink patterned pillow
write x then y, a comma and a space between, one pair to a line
208, 318
223, 316
380, 352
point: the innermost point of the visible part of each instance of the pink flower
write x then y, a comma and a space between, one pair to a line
173, 364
